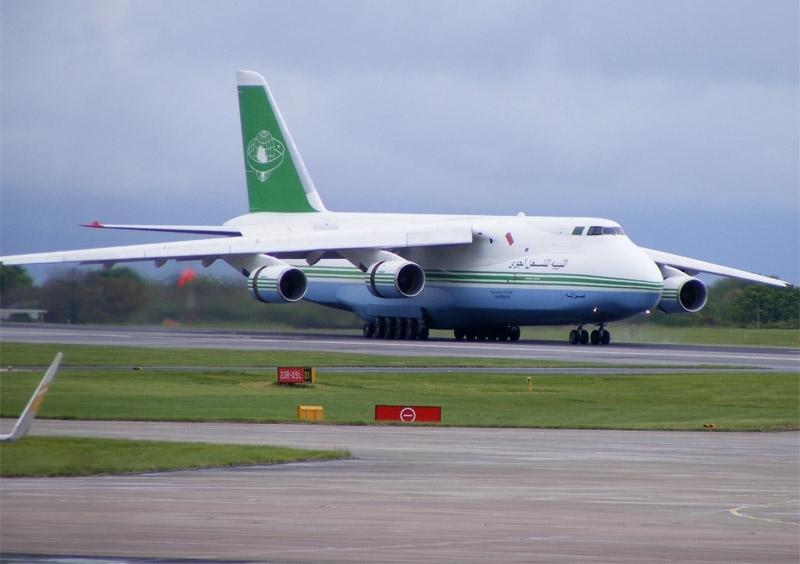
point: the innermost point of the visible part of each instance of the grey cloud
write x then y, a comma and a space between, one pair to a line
616, 109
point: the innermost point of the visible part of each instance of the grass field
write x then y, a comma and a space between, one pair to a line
67, 456
677, 401
116, 391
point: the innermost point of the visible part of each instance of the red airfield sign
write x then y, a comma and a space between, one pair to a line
408, 413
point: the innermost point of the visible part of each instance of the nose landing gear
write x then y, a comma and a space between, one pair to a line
597, 337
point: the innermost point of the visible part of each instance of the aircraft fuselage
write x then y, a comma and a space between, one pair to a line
519, 270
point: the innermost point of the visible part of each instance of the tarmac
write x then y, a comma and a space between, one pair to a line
425, 494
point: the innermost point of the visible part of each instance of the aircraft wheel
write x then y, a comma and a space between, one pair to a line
574, 337
595, 337
459, 334
369, 330
380, 327
412, 329
584, 337
391, 325
514, 333
470, 334
503, 333
400, 328
605, 337
423, 332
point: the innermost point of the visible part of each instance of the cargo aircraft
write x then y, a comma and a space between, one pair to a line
403, 274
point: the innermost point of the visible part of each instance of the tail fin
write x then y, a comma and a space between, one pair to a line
277, 179
29, 413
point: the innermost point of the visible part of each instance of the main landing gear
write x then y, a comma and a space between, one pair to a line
507, 333
396, 328
597, 337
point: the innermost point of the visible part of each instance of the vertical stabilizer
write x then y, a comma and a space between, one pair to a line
29, 413
277, 179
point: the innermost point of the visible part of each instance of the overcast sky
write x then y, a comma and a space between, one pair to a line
679, 119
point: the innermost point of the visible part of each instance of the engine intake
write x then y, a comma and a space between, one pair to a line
277, 284
395, 279
683, 294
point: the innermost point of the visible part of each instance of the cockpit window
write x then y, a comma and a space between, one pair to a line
578, 230
600, 230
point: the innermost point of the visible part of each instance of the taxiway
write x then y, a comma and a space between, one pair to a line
424, 494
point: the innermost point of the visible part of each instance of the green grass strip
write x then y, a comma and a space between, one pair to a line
68, 456
678, 401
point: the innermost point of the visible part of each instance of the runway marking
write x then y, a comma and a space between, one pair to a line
737, 512
524, 348
89, 334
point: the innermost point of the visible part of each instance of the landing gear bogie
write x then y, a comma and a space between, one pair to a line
399, 328
597, 337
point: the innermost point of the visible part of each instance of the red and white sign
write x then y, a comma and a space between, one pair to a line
288, 375
408, 413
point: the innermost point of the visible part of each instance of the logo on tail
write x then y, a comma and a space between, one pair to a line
264, 154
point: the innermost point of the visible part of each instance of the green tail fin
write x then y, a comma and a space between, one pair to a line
277, 179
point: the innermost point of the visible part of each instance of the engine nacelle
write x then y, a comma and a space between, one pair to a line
683, 294
395, 279
277, 284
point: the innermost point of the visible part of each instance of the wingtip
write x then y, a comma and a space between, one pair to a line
96, 224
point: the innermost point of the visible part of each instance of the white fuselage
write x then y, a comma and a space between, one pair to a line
519, 270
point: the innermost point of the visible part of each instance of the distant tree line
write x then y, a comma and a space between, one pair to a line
733, 303
121, 296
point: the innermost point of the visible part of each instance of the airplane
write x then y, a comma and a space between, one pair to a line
404, 274
25, 420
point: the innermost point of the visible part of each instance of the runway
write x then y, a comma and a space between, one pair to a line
426, 494
762, 358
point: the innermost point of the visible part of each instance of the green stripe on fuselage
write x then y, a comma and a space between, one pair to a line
497, 278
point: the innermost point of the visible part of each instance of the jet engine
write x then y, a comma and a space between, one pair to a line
277, 283
395, 279
683, 294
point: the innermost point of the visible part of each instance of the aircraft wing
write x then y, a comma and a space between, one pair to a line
693, 266
29, 413
208, 250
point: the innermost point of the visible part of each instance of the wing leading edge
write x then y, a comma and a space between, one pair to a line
693, 266
423, 235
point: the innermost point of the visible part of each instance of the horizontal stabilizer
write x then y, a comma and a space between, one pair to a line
190, 229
